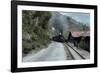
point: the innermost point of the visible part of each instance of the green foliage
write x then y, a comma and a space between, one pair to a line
82, 44
36, 31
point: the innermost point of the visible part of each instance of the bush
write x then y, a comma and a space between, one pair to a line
82, 44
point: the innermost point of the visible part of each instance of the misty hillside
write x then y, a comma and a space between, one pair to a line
63, 23
74, 25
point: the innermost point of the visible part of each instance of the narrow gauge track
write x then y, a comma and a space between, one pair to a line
73, 53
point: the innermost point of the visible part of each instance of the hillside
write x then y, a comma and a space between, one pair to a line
35, 30
74, 25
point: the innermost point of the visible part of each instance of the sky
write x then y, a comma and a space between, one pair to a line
81, 17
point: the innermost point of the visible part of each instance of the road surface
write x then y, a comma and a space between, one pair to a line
55, 51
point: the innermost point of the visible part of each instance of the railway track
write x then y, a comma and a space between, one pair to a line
73, 53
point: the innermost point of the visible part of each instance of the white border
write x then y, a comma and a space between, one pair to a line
53, 63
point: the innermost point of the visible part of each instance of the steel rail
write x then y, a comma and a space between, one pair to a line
66, 45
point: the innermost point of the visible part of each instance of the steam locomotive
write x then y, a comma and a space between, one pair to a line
58, 38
